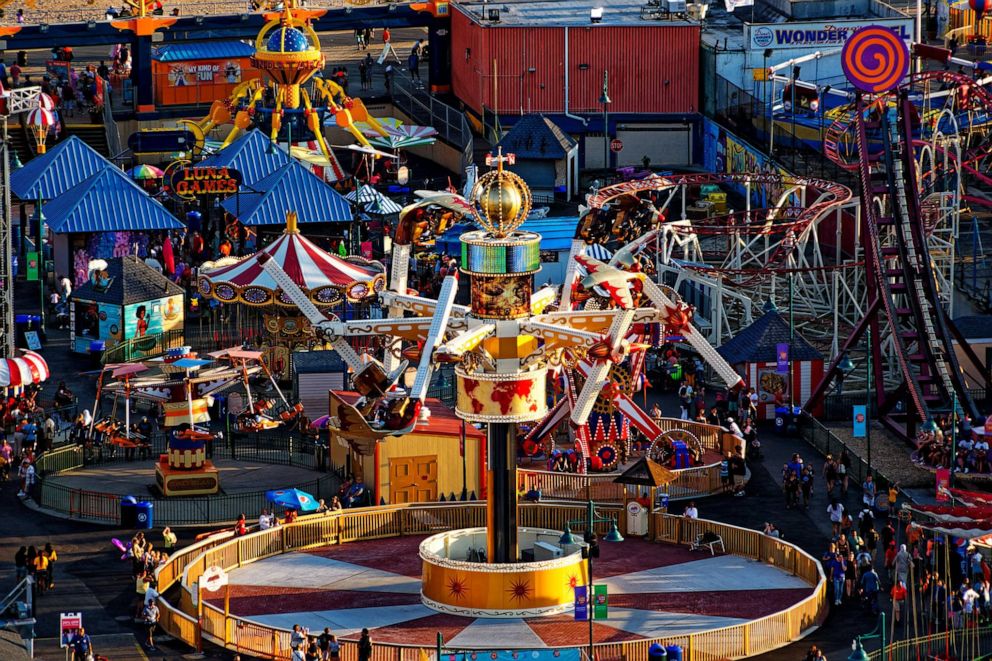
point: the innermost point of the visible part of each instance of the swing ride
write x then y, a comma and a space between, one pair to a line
184, 385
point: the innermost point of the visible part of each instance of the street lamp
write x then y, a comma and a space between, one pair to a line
858, 652
41, 260
592, 548
604, 99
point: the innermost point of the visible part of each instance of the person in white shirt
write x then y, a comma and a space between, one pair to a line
264, 522
966, 443
691, 512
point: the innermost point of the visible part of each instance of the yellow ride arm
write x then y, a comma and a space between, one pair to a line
313, 123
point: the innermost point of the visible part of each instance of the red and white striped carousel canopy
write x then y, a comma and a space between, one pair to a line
324, 277
24, 370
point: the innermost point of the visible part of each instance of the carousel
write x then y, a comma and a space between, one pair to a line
328, 281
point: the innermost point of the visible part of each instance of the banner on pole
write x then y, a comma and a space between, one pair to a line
943, 485
600, 602
581, 603
782, 357
860, 418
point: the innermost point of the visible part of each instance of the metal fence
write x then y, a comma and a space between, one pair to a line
263, 447
961, 644
813, 432
839, 407
424, 109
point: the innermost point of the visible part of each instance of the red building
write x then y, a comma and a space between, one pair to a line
550, 57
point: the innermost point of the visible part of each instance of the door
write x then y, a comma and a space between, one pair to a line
413, 479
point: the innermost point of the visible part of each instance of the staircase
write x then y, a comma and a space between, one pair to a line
94, 135
21, 141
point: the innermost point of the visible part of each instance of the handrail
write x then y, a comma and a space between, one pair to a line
246, 636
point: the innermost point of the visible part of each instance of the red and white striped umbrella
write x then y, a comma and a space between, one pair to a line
46, 102
323, 276
24, 370
41, 117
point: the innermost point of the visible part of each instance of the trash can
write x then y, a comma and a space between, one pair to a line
657, 653
674, 652
97, 347
129, 513
662, 502
781, 412
144, 515
637, 519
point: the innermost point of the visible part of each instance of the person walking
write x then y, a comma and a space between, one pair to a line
868, 492
150, 616
81, 646
365, 646
836, 512
52, 556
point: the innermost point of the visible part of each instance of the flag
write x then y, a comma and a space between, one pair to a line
177, 413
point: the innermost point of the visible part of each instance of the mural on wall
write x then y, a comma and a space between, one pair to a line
149, 319
725, 152
109, 318
185, 74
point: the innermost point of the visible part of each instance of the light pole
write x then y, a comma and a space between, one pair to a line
41, 261
592, 549
604, 98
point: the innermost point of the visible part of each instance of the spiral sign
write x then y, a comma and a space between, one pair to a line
875, 59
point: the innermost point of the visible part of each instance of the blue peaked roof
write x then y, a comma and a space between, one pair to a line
536, 137
49, 175
202, 50
253, 155
290, 188
757, 343
106, 202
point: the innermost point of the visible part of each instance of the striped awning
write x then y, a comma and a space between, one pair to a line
24, 370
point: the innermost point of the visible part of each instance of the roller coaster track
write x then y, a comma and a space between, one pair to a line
979, 99
901, 281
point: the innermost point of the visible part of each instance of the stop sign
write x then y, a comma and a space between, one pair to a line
616, 145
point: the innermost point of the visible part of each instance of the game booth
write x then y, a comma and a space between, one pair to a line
124, 299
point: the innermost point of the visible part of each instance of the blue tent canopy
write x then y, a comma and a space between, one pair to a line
49, 175
107, 201
290, 188
556, 234
253, 155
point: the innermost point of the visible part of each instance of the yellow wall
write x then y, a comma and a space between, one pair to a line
449, 463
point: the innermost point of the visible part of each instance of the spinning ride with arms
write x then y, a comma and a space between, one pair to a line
502, 345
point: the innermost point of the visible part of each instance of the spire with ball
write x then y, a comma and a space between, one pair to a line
502, 197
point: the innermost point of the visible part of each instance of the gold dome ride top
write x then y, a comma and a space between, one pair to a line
502, 197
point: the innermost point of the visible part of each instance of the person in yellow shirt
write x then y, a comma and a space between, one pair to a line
52, 556
169, 538
41, 572
140, 588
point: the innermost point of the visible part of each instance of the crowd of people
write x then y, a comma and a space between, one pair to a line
958, 446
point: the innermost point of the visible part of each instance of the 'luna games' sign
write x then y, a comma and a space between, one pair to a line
805, 35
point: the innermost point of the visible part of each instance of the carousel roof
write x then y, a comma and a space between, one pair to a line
325, 277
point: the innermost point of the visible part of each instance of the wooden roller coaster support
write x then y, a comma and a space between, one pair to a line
900, 283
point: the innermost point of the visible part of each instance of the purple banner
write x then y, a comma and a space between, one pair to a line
782, 357
581, 602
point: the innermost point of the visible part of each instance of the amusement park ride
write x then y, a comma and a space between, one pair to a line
184, 385
503, 345
287, 52
904, 308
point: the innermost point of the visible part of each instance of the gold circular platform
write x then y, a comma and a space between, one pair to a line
453, 585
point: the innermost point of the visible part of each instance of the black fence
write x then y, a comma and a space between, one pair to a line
840, 407
262, 447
